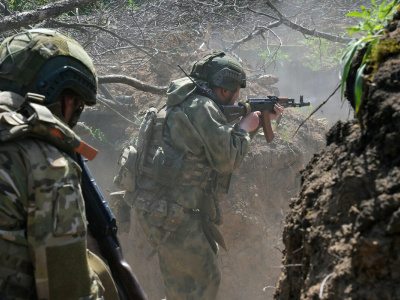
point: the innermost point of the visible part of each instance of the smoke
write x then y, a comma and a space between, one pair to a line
315, 86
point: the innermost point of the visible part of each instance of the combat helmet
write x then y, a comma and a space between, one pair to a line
46, 62
221, 70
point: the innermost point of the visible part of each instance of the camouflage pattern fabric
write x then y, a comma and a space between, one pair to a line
195, 126
187, 262
42, 225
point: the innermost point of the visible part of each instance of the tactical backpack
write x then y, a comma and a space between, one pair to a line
149, 163
153, 166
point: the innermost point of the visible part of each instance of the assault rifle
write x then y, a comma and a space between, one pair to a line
264, 105
103, 226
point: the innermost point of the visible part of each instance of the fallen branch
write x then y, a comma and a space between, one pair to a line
30, 17
133, 82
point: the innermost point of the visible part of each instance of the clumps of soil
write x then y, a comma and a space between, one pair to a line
342, 233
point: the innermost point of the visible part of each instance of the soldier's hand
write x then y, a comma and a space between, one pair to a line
278, 110
250, 122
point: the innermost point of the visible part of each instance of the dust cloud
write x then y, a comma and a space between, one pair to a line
316, 87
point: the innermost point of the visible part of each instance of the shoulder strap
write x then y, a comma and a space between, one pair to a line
36, 120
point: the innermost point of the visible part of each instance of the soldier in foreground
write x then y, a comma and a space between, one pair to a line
46, 79
181, 167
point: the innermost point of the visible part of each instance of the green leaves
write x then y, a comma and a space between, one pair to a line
348, 55
358, 88
372, 22
385, 11
355, 14
347, 58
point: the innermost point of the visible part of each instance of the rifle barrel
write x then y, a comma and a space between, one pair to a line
232, 112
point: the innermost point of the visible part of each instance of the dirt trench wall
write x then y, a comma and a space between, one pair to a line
342, 234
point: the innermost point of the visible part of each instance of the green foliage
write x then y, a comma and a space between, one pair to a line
100, 136
320, 54
385, 48
315, 53
372, 20
372, 23
275, 55
19, 5
284, 126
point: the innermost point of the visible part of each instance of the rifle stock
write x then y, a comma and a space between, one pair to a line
233, 112
103, 226
265, 106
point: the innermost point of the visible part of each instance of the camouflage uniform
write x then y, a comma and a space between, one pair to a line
197, 129
43, 227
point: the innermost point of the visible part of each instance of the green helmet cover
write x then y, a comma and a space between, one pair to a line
221, 70
46, 62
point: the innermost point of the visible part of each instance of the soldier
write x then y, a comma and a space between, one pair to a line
175, 178
43, 230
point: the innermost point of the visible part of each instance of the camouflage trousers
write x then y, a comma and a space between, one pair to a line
187, 262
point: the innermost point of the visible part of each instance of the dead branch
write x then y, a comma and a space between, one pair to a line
154, 36
54, 23
256, 31
23, 19
304, 30
5, 10
315, 110
133, 82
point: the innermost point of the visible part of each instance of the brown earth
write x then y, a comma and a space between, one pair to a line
342, 233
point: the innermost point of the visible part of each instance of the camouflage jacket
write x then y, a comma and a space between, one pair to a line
196, 126
42, 225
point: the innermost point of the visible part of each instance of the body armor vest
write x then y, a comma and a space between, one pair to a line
154, 165
16, 125
167, 166
32, 119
